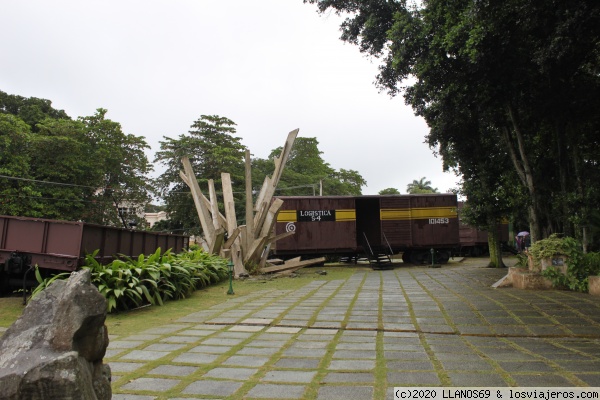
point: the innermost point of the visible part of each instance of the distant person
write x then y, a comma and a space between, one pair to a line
519, 243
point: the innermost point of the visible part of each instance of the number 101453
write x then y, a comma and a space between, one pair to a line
438, 221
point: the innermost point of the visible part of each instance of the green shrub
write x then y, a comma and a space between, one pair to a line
128, 283
522, 260
592, 261
579, 266
555, 244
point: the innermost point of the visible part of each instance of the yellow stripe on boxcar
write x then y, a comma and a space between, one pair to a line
394, 214
434, 212
417, 213
345, 215
287, 216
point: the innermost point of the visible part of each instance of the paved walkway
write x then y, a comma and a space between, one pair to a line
360, 337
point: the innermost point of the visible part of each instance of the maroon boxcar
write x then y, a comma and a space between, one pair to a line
321, 225
63, 245
372, 225
416, 224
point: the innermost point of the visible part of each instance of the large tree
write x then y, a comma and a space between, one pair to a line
523, 71
306, 173
212, 149
124, 167
55, 167
31, 110
16, 195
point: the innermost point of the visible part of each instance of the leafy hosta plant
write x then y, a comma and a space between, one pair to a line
132, 282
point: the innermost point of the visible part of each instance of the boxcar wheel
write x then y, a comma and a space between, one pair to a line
406, 257
417, 257
443, 256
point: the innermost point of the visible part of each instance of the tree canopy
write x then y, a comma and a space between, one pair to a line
515, 81
85, 169
306, 173
389, 191
212, 149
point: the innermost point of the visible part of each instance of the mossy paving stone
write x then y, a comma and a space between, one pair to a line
246, 361
125, 344
173, 370
466, 365
349, 377
356, 354
539, 380
118, 396
161, 330
298, 363
212, 388
142, 355
590, 379
345, 392
240, 374
289, 376
151, 384
270, 391
164, 347
180, 339
210, 349
259, 351
352, 365
410, 365
412, 378
116, 366
580, 366
476, 379
196, 358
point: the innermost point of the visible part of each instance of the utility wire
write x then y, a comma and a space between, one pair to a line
46, 182
312, 185
52, 198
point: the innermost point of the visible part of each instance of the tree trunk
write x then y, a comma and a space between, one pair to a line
494, 246
580, 193
561, 150
521, 163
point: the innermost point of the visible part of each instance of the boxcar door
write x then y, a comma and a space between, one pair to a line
368, 224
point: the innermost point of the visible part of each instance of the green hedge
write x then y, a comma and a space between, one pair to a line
128, 283
579, 265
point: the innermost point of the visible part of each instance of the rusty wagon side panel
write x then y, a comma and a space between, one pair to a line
111, 241
419, 221
47, 243
322, 225
62, 245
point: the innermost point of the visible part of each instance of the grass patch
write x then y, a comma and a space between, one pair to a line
132, 321
10, 309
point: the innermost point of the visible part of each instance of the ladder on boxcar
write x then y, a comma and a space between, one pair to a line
379, 257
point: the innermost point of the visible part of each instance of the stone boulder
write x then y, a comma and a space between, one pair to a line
55, 349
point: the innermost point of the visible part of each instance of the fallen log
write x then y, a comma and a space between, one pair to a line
292, 264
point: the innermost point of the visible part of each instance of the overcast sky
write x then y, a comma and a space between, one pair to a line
270, 66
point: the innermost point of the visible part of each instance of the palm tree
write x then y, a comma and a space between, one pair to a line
420, 186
